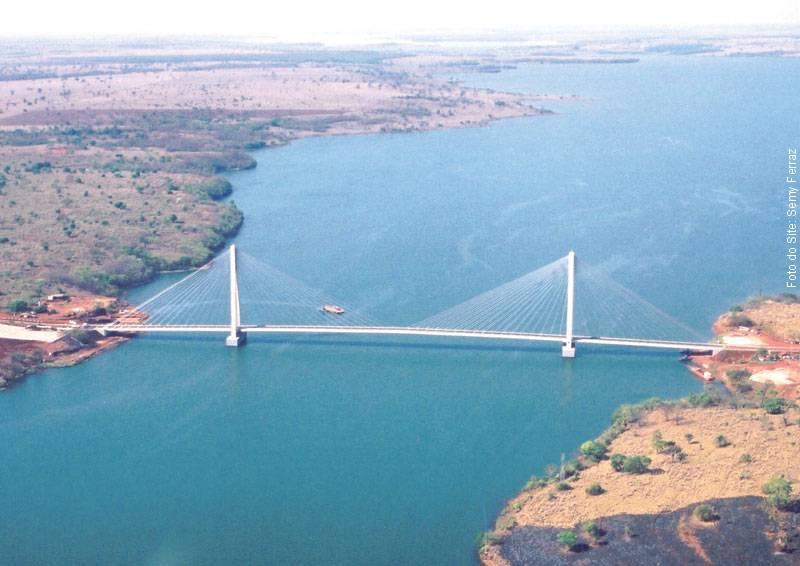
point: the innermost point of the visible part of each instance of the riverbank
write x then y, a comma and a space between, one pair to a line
112, 167
692, 455
771, 326
663, 464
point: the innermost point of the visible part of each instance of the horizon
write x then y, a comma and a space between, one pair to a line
311, 20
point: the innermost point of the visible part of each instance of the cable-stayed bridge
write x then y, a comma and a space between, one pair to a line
236, 294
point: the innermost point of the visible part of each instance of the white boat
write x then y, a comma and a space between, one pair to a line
332, 309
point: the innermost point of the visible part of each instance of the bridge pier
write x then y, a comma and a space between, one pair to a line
236, 340
236, 337
568, 346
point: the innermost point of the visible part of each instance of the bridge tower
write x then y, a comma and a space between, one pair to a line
568, 347
236, 337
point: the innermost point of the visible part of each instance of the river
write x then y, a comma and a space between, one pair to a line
175, 450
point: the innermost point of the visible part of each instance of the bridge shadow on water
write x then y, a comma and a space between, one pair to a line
413, 343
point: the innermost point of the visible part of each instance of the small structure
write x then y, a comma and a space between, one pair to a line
332, 309
58, 297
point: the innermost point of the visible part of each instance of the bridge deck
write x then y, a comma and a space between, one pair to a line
418, 331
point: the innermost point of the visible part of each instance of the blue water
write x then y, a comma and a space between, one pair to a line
335, 451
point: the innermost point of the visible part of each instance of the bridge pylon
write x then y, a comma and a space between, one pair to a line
236, 337
568, 346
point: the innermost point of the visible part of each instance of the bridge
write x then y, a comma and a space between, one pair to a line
541, 306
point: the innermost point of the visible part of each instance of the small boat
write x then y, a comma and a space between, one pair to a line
332, 309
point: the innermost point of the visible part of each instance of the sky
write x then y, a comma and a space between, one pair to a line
307, 19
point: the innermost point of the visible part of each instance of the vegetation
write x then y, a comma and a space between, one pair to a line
705, 513
775, 405
778, 491
592, 529
636, 464
721, 441
593, 450
630, 464
703, 399
595, 489
18, 305
568, 539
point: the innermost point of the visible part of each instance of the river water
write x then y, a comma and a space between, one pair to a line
175, 450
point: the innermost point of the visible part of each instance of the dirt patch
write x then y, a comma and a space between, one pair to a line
739, 536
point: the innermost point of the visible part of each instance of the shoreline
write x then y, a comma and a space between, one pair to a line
89, 352
580, 490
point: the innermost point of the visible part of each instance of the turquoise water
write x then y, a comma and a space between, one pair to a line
337, 451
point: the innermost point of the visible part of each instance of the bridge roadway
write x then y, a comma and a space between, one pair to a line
420, 331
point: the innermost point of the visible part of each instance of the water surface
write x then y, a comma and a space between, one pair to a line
175, 450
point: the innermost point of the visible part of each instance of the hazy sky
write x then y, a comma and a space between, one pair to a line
302, 19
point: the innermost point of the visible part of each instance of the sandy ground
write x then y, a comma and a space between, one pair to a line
10, 332
780, 376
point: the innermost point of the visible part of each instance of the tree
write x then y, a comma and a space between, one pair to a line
567, 539
705, 513
617, 462
18, 306
778, 491
775, 405
592, 529
636, 464
721, 441
593, 450
595, 489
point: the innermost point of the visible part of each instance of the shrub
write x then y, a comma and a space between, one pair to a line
636, 464
535, 483
595, 489
775, 406
592, 529
778, 491
567, 539
721, 441
593, 450
572, 468
18, 306
617, 462
737, 374
701, 400
563, 486
741, 320
705, 513
745, 459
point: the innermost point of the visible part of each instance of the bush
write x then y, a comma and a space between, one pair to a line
535, 483
18, 306
593, 450
705, 513
741, 320
563, 486
737, 374
636, 464
567, 539
745, 459
778, 491
617, 462
701, 400
721, 441
775, 406
595, 489
592, 529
